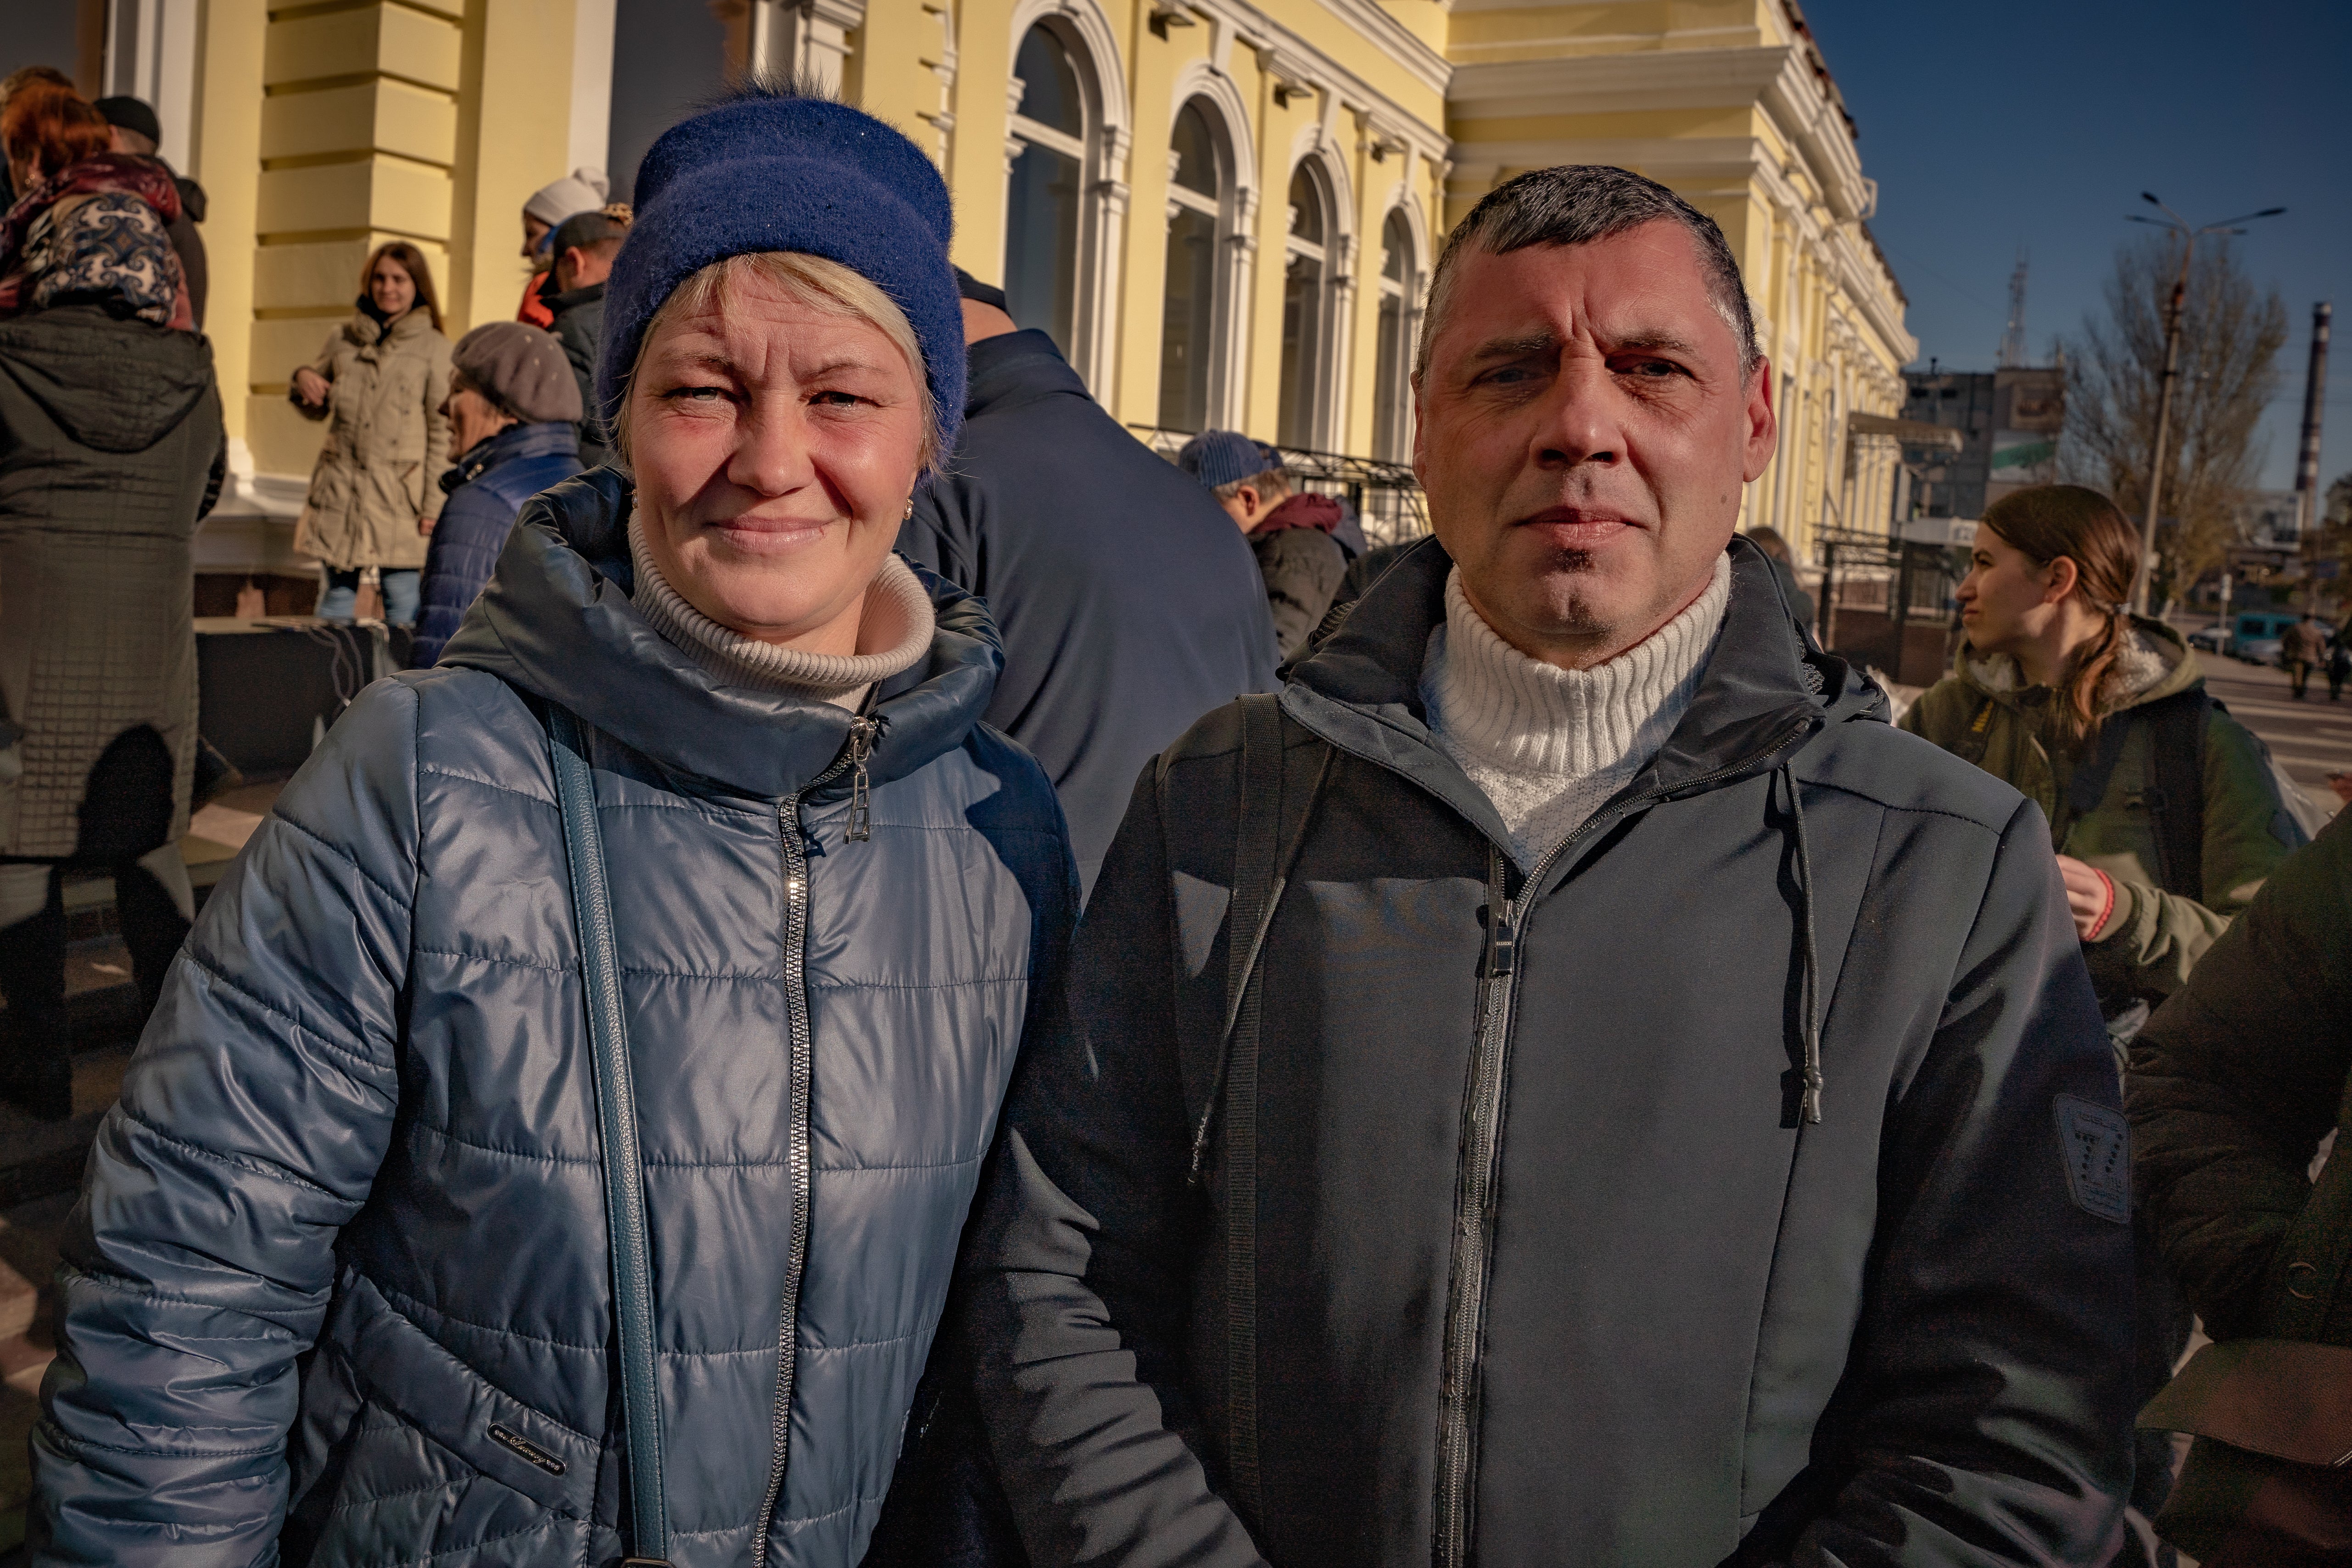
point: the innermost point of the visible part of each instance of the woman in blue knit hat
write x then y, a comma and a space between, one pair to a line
553, 1140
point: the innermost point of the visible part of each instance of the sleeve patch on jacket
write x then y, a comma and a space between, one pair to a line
2096, 1143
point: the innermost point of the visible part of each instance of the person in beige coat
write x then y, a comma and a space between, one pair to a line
375, 491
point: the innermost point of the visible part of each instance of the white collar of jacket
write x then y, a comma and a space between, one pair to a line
1765, 690
557, 622
894, 632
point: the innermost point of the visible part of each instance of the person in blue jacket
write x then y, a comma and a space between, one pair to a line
341, 1286
513, 410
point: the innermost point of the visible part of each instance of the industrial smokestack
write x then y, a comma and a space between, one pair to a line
2314, 401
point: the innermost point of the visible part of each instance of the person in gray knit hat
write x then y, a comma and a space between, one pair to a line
554, 1138
513, 410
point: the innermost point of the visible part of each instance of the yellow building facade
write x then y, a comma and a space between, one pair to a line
1225, 210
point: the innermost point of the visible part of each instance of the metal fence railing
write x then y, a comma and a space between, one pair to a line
1385, 497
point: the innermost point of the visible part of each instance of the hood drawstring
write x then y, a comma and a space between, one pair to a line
1809, 1104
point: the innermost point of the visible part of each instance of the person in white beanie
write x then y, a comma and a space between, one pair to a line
582, 191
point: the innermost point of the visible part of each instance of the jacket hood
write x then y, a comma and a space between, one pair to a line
2155, 662
364, 329
1765, 691
1301, 511
112, 385
512, 444
1307, 510
556, 623
571, 299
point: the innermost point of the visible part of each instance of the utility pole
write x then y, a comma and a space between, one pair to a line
2012, 341
2315, 403
2176, 309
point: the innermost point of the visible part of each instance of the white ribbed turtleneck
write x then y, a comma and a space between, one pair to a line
896, 631
1551, 745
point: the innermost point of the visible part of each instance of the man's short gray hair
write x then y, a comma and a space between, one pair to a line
1576, 204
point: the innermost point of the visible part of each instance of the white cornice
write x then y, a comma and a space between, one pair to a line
1627, 80
1254, 26
1778, 78
1364, 18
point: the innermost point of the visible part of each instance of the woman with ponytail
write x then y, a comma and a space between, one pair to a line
2162, 807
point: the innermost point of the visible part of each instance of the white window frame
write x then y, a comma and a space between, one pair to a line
1235, 212
1101, 149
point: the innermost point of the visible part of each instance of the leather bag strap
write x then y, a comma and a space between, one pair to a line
2177, 796
617, 1126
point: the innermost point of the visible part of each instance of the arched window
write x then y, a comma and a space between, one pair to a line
1041, 226
1198, 178
1392, 371
1305, 308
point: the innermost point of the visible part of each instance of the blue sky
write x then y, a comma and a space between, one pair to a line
1999, 123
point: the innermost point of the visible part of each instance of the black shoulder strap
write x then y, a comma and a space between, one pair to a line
1257, 847
1261, 864
2176, 796
2088, 785
1977, 738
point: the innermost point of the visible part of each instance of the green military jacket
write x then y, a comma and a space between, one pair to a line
2153, 938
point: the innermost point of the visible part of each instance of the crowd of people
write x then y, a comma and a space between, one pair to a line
906, 981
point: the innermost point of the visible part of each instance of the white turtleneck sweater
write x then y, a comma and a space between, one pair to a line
895, 632
1551, 745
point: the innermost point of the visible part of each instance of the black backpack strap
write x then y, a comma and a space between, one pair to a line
1257, 836
1261, 865
2176, 794
1977, 738
2088, 785
616, 1127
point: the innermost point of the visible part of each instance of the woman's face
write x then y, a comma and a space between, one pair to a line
2009, 599
390, 286
473, 418
775, 447
533, 231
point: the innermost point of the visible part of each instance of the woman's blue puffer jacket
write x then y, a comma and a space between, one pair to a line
362, 1117
486, 490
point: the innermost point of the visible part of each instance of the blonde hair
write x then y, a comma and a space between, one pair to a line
811, 281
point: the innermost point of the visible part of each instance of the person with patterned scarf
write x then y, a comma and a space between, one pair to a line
111, 451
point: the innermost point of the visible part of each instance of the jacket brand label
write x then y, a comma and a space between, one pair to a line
532, 1451
2096, 1143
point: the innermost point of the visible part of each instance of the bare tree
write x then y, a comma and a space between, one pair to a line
2230, 342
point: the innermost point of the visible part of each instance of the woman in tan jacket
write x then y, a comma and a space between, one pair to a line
375, 491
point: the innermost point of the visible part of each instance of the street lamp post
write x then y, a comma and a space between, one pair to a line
2177, 307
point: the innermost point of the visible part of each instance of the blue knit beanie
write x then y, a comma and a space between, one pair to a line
1218, 457
770, 170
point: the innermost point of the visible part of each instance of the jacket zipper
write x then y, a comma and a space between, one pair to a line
1482, 1126
862, 732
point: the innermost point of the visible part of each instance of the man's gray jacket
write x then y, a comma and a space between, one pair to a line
1552, 1268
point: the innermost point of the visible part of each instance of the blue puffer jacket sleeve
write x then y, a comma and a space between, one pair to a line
250, 1128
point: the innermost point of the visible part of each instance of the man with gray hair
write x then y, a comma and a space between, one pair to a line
1566, 1082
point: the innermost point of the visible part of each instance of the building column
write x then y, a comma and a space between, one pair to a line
359, 143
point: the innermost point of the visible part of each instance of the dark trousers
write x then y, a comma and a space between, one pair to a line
126, 813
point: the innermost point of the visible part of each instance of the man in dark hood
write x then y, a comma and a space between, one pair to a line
138, 132
1566, 1082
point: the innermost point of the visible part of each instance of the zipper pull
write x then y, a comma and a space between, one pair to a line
1502, 942
861, 747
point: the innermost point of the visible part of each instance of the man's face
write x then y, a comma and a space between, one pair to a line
1584, 433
